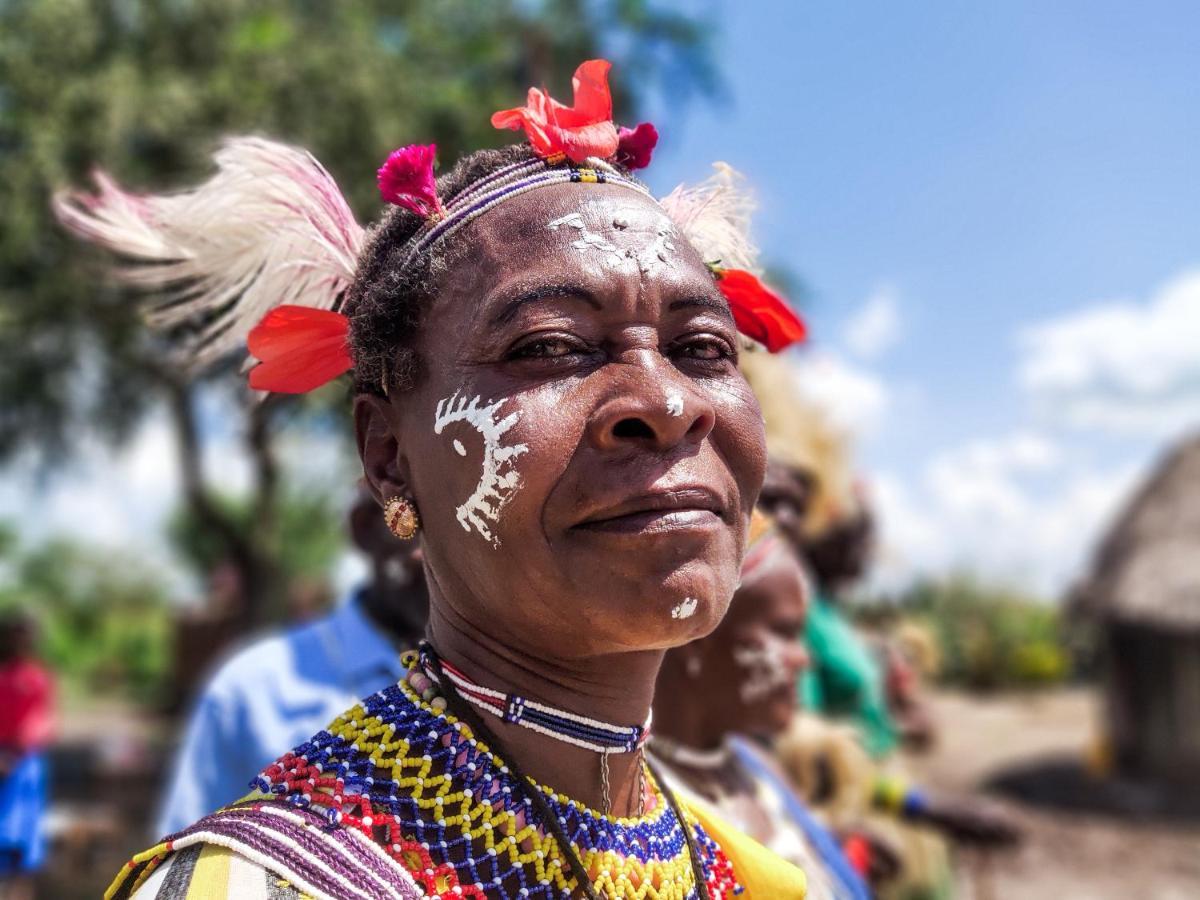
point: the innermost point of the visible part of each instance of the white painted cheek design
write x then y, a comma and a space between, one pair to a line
498, 478
686, 609
765, 669
674, 404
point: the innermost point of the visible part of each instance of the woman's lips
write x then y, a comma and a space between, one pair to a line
661, 512
656, 520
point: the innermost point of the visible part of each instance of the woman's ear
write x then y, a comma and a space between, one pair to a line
375, 427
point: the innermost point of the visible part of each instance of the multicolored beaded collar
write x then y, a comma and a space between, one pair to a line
414, 779
582, 731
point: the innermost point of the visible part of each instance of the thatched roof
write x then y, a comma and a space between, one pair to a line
1147, 569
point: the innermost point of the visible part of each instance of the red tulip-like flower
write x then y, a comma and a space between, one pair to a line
407, 180
579, 131
759, 313
636, 146
300, 348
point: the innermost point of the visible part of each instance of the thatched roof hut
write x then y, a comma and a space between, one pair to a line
1144, 592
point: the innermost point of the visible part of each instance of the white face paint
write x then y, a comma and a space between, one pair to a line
674, 404
765, 668
648, 259
686, 609
498, 479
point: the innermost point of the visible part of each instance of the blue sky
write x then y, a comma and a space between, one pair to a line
997, 209
981, 171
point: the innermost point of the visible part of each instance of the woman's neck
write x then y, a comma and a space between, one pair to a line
615, 688
678, 717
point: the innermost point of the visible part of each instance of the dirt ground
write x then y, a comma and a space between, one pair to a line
1066, 854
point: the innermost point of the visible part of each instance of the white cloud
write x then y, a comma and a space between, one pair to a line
875, 326
1125, 367
855, 398
1016, 509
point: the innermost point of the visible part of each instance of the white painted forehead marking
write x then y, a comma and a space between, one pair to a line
498, 479
648, 259
686, 609
674, 403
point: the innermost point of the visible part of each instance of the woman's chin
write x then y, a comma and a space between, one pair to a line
659, 621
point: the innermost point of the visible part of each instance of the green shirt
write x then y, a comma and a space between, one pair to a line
844, 680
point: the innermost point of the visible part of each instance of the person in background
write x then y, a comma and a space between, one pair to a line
849, 772
846, 680
810, 490
279, 690
26, 726
717, 696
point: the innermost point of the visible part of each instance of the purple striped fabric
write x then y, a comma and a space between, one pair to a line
300, 845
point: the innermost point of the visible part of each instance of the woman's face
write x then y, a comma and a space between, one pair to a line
749, 666
582, 448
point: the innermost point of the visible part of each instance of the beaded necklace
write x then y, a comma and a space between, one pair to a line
407, 772
582, 731
673, 751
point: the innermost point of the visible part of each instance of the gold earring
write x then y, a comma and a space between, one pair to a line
401, 517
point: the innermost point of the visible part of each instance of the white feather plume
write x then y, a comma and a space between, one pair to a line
715, 217
270, 227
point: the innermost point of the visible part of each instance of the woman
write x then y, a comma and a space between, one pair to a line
810, 490
738, 683
547, 392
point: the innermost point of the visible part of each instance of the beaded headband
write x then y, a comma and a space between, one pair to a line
505, 184
265, 250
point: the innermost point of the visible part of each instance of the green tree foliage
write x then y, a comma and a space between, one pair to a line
309, 534
103, 621
990, 637
145, 89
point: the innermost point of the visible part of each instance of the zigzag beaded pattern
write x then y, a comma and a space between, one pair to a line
417, 782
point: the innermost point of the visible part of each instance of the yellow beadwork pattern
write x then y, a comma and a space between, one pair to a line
444, 780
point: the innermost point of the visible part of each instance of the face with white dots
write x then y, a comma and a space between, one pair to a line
582, 448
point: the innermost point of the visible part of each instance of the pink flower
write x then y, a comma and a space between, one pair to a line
636, 146
406, 179
579, 131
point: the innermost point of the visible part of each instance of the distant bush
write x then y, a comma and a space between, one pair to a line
102, 620
990, 637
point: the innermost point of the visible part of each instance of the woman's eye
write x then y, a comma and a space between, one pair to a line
546, 348
708, 349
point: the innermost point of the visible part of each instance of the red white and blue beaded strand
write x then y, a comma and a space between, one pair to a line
582, 731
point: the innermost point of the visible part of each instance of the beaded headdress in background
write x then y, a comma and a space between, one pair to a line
265, 250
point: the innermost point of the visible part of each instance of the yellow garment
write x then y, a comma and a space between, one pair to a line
211, 881
763, 874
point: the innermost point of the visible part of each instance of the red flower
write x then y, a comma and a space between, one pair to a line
579, 131
300, 348
406, 179
759, 312
636, 146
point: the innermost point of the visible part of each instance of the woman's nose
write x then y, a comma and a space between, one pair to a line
655, 411
803, 658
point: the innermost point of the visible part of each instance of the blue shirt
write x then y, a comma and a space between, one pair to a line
268, 698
